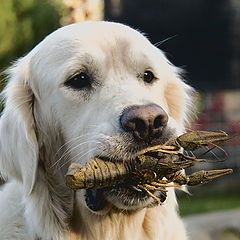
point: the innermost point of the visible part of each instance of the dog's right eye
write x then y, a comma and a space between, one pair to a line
79, 81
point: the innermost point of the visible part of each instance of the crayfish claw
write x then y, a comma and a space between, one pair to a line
202, 177
191, 141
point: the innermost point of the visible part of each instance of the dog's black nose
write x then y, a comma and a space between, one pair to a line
145, 122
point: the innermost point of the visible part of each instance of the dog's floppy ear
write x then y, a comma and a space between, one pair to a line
179, 96
18, 142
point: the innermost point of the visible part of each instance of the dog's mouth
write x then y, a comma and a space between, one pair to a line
127, 196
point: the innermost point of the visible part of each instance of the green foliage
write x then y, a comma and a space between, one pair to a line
24, 23
208, 202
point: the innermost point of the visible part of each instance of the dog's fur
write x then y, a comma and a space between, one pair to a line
46, 125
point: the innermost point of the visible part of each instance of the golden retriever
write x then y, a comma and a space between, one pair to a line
88, 89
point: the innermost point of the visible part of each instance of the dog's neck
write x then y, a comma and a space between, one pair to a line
114, 225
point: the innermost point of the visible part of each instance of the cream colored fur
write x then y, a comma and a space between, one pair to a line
45, 126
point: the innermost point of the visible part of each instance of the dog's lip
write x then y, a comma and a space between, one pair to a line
96, 199
131, 196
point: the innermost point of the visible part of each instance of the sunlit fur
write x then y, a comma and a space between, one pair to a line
45, 126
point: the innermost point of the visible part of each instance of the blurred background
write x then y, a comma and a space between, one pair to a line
203, 38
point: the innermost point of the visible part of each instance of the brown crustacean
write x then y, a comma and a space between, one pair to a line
155, 168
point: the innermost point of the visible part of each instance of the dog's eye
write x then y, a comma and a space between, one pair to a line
148, 76
79, 81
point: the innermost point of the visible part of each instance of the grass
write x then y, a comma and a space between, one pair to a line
208, 202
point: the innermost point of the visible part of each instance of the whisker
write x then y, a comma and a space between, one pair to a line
86, 152
72, 140
91, 150
165, 40
68, 150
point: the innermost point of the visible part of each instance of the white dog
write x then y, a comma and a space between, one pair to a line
88, 89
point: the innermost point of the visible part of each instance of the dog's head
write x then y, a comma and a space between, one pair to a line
90, 89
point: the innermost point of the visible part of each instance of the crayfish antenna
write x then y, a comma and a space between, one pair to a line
210, 149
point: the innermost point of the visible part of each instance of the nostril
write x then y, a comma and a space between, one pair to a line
129, 126
135, 124
140, 125
157, 122
160, 121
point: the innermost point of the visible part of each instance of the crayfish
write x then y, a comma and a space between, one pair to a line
155, 168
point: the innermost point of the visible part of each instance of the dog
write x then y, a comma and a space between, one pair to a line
88, 89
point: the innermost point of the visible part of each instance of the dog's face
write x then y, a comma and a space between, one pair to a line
111, 92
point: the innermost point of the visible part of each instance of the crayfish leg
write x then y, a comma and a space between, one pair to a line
150, 194
151, 187
156, 184
168, 151
159, 148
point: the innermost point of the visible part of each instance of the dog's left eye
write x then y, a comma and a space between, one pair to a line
79, 81
148, 76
